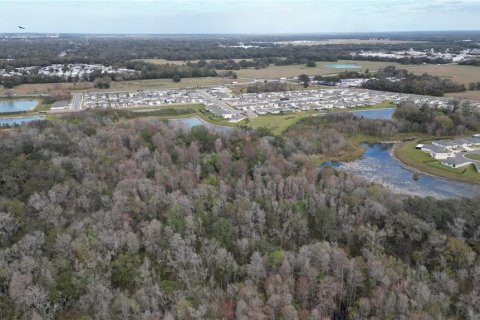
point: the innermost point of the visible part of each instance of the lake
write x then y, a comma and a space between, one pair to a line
17, 105
378, 165
342, 66
19, 120
384, 114
195, 121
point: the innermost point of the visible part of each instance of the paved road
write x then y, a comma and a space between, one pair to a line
76, 101
213, 100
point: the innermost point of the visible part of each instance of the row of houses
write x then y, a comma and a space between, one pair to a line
452, 153
215, 102
301, 100
78, 70
140, 98
431, 53
224, 103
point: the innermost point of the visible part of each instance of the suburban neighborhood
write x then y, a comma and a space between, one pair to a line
223, 102
78, 71
455, 153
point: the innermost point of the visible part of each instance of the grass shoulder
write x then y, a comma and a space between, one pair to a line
42, 107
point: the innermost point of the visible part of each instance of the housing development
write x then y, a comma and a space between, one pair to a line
78, 71
431, 53
455, 153
224, 103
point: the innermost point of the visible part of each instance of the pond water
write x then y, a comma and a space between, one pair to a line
384, 114
195, 121
342, 66
17, 105
19, 120
378, 165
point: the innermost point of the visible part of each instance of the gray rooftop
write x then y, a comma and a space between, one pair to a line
456, 160
435, 148
446, 143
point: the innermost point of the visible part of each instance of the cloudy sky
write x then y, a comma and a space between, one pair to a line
237, 16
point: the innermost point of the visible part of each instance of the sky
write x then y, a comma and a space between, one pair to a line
237, 16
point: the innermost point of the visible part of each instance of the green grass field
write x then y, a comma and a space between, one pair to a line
198, 111
457, 73
278, 123
473, 156
42, 107
133, 85
423, 162
294, 70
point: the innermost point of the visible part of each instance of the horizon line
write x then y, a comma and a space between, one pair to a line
247, 33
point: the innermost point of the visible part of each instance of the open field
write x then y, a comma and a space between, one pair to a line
51, 88
198, 110
454, 72
471, 95
294, 70
278, 123
162, 61
423, 162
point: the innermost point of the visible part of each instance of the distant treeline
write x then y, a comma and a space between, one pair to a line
267, 87
333, 79
145, 71
470, 62
404, 60
405, 82
117, 51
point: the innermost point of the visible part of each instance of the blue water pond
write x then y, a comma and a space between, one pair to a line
378, 165
17, 105
342, 66
19, 120
384, 114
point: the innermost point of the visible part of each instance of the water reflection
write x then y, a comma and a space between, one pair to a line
378, 165
17, 105
19, 120
383, 114
195, 121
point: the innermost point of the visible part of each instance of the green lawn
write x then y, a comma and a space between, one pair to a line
422, 161
473, 156
381, 105
42, 107
278, 123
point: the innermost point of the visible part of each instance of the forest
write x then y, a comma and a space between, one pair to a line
471, 62
400, 80
330, 134
118, 50
107, 218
